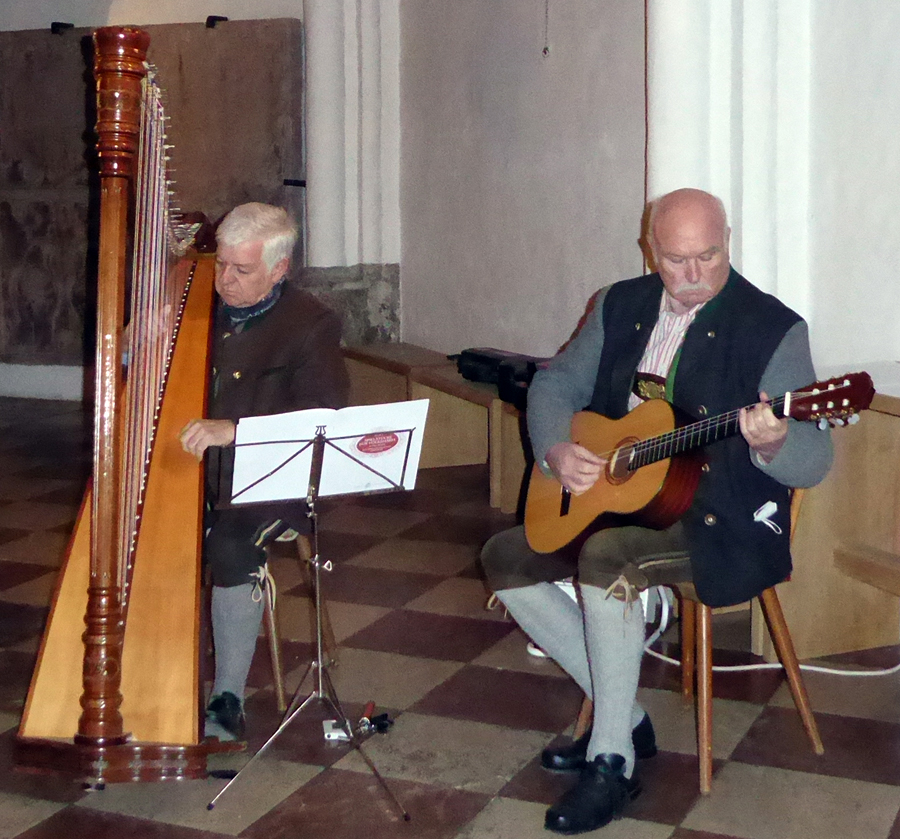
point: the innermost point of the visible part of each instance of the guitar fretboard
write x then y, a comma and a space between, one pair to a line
692, 436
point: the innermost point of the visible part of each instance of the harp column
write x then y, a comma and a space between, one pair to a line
728, 111
119, 69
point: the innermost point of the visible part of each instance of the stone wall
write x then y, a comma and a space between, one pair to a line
366, 296
44, 198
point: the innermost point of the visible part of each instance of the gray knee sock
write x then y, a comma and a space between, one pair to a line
614, 634
236, 619
553, 621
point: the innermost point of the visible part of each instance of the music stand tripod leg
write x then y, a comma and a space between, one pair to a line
324, 689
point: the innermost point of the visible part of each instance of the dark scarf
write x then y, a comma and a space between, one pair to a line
241, 314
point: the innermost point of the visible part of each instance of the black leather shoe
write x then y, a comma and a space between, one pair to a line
571, 758
600, 795
226, 710
643, 737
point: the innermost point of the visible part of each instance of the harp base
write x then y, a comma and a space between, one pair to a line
97, 765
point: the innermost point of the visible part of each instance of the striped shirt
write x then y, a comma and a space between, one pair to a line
664, 342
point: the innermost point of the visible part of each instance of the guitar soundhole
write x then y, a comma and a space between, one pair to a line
617, 471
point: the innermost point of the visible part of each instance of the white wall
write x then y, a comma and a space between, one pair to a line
729, 111
522, 176
353, 131
855, 221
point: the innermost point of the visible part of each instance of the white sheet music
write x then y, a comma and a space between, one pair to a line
368, 448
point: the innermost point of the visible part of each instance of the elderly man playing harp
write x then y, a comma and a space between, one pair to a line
275, 349
708, 340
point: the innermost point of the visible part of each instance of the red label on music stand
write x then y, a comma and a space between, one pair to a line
378, 443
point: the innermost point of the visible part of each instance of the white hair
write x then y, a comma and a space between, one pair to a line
260, 222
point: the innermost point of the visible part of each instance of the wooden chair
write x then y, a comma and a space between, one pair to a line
697, 663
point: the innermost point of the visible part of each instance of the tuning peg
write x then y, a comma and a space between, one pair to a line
839, 422
853, 419
823, 424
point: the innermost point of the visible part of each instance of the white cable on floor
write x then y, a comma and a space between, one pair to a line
813, 668
665, 612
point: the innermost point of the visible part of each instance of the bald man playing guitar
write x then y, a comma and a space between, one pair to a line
702, 345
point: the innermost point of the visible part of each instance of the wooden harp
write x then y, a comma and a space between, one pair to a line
116, 693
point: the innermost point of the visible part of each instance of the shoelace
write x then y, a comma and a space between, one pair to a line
494, 602
263, 585
629, 592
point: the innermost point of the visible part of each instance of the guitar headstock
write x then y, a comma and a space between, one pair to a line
837, 401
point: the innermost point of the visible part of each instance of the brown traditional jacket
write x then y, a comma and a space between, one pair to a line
287, 359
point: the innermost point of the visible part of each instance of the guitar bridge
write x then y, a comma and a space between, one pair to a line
564, 502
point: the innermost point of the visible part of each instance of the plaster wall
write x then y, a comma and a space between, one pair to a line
522, 175
855, 226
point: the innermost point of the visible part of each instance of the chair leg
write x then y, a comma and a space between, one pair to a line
304, 548
704, 695
784, 646
585, 718
274, 651
688, 646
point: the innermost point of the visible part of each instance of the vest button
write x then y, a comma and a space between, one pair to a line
709, 519
236, 374
637, 327
702, 410
711, 333
704, 467
227, 335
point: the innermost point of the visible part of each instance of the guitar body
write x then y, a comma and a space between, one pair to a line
653, 466
655, 496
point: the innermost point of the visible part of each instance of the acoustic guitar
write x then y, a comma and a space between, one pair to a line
653, 461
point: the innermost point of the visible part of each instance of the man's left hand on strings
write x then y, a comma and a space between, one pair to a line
762, 430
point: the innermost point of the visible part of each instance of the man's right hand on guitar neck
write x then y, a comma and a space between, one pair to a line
574, 466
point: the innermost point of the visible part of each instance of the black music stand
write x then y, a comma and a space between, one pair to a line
323, 688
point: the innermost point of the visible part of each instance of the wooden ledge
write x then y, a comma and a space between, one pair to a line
870, 565
397, 358
448, 380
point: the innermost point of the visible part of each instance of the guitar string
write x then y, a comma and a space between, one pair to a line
667, 444
664, 445
685, 432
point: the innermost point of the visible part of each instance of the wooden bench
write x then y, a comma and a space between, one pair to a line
467, 421
380, 372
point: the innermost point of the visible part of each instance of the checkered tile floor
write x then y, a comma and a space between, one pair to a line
472, 710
